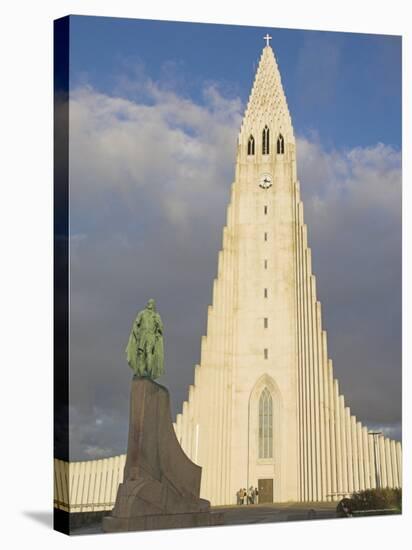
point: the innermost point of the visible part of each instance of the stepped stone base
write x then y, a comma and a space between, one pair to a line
161, 484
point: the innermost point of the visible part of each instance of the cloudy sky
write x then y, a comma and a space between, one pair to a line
155, 108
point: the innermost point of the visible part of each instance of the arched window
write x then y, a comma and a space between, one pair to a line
251, 146
280, 145
265, 425
265, 141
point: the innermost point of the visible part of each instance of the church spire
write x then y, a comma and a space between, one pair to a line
267, 103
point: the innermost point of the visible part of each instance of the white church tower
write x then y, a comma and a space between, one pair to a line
265, 409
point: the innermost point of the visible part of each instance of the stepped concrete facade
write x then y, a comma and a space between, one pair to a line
265, 408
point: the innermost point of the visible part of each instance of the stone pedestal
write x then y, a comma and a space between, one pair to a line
161, 485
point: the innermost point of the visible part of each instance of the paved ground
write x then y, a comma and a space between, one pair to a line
257, 513
269, 513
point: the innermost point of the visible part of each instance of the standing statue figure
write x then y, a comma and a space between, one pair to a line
145, 347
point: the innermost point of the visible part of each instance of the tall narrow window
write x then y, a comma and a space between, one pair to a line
266, 236
265, 322
265, 141
265, 425
265, 264
266, 353
280, 145
265, 293
265, 210
251, 146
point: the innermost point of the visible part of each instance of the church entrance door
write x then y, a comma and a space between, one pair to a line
265, 488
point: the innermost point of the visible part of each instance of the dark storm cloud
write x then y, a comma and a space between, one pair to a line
150, 185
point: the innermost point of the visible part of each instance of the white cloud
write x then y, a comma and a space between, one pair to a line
171, 148
369, 177
353, 198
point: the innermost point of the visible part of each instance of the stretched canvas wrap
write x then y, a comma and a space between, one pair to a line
204, 174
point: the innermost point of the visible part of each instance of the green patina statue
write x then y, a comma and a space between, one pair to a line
145, 347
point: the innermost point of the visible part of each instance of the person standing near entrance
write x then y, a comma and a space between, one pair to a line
256, 496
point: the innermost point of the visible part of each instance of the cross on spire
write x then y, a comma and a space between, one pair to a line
267, 38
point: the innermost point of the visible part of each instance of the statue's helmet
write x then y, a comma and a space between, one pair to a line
151, 304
